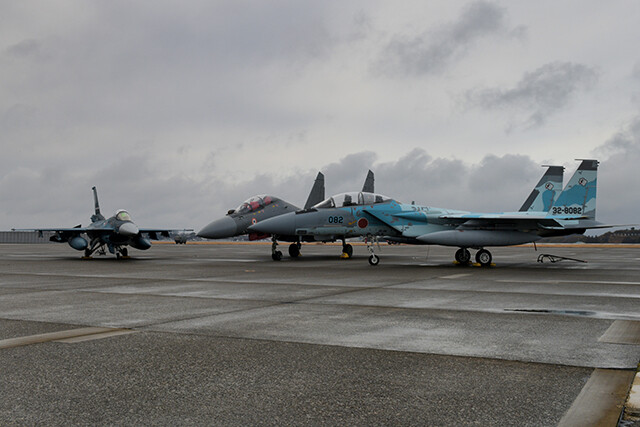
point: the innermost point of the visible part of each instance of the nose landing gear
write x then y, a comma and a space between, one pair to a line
276, 255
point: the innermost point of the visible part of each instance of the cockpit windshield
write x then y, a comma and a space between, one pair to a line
254, 203
352, 199
123, 215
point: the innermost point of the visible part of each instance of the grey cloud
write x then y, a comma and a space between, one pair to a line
24, 48
430, 52
493, 184
540, 93
157, 197
618, 176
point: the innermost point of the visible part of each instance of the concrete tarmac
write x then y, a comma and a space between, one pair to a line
222, 335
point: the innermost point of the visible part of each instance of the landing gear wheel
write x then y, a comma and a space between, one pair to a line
294, 250
483, 257
124, 252
276, 256
87, 253
374, 260
347, 250
118, 255
463, 256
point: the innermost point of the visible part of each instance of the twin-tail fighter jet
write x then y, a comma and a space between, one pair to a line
115, 233
260, 208
374, 216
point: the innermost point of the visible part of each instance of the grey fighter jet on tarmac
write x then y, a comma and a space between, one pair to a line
114, 233
262, 207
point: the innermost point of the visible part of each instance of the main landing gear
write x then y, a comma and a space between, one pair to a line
483, 257
294, 250
347, 250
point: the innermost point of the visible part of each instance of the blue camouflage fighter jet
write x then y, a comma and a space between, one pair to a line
546, 212
115, 233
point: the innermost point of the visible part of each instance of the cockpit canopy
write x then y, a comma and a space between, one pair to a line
352, 199
123, 215
254, 203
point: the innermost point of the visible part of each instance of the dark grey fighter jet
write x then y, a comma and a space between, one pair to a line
262, 207
114, 233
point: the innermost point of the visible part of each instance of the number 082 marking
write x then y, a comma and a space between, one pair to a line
335, 220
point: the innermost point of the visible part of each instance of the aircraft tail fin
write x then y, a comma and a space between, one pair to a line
545, 192
579, 195
97, 216
317, 192
368, 186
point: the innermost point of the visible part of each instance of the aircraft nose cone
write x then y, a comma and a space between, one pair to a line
283, 225
219, 229
128, 229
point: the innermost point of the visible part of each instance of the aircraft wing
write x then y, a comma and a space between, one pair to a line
61, 230
519, 222
156, 233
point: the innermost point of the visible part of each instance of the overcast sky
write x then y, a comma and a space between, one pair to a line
178, 111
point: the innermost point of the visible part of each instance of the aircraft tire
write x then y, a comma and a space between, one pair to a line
276, 256
483, 257
125, 252
374, 260
348, 249
463, 256
294, 250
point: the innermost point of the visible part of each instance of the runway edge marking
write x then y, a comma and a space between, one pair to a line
600, 401
58, 336
622, 332
632, 407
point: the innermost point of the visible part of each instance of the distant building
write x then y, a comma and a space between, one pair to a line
24, 237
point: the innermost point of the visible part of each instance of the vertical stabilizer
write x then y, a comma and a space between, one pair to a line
368, 186
545, 192
97, 216
317, 192
579, 196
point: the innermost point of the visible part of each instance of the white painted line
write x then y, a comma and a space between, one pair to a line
592, 282
633, 402
456, 276
622, 332
600, 401
51, 336
82, 338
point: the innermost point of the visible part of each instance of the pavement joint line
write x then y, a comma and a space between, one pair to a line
601, 400
53, 336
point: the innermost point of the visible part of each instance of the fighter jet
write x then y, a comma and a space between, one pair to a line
114, 233
375, 216
255, 209
262, 207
